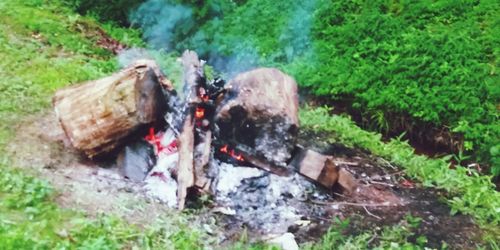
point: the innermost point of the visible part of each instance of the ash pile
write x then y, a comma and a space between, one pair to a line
235, 141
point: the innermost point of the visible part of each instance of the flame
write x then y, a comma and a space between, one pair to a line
155, 140
225, 149
199, 113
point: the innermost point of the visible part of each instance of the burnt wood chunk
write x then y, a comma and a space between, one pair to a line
149, 98
317, 167
136, 160
347, 181
259, 113
202, 157
97, 116
193, 75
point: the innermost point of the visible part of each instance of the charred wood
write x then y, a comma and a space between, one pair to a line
260, 112
193, 78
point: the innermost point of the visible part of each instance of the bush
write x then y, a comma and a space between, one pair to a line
106, 10
434, 60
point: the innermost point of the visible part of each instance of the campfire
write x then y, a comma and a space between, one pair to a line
236, 141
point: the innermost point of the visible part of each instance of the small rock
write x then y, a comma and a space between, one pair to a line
303, 223
208, 229
285, 241
224, 210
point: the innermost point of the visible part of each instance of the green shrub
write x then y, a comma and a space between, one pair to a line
434, 60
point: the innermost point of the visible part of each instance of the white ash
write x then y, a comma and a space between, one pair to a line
230, 177
270, 144
263, 201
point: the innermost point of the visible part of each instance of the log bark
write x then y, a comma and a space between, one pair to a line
97, 116
193, 74
203, 151
259, 113
185, 168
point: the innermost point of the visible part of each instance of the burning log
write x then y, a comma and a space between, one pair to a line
259, 114
98, 115
193, 77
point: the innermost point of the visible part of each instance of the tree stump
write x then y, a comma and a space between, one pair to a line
259, 114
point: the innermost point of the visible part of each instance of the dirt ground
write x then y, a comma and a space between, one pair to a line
384, 196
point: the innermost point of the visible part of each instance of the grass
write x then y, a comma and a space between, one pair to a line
470, 193
399, 236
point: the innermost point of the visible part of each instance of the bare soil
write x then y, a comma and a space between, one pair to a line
384, 195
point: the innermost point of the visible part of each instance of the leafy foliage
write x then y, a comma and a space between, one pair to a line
116, 11
435, 60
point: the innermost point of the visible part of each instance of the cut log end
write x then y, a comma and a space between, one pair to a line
317, 167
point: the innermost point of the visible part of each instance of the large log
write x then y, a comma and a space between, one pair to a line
259, 114
97, 116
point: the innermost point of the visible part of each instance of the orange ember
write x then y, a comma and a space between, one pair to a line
224, 149
199, 113
232, 153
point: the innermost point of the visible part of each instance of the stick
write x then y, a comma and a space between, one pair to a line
201, 180
381, 183
368, 212
385, 204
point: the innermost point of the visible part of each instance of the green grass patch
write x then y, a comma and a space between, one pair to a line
399, 236
29, 219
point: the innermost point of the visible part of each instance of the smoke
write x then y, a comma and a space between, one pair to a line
163, 22
243, 58
170, 26
128, 56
